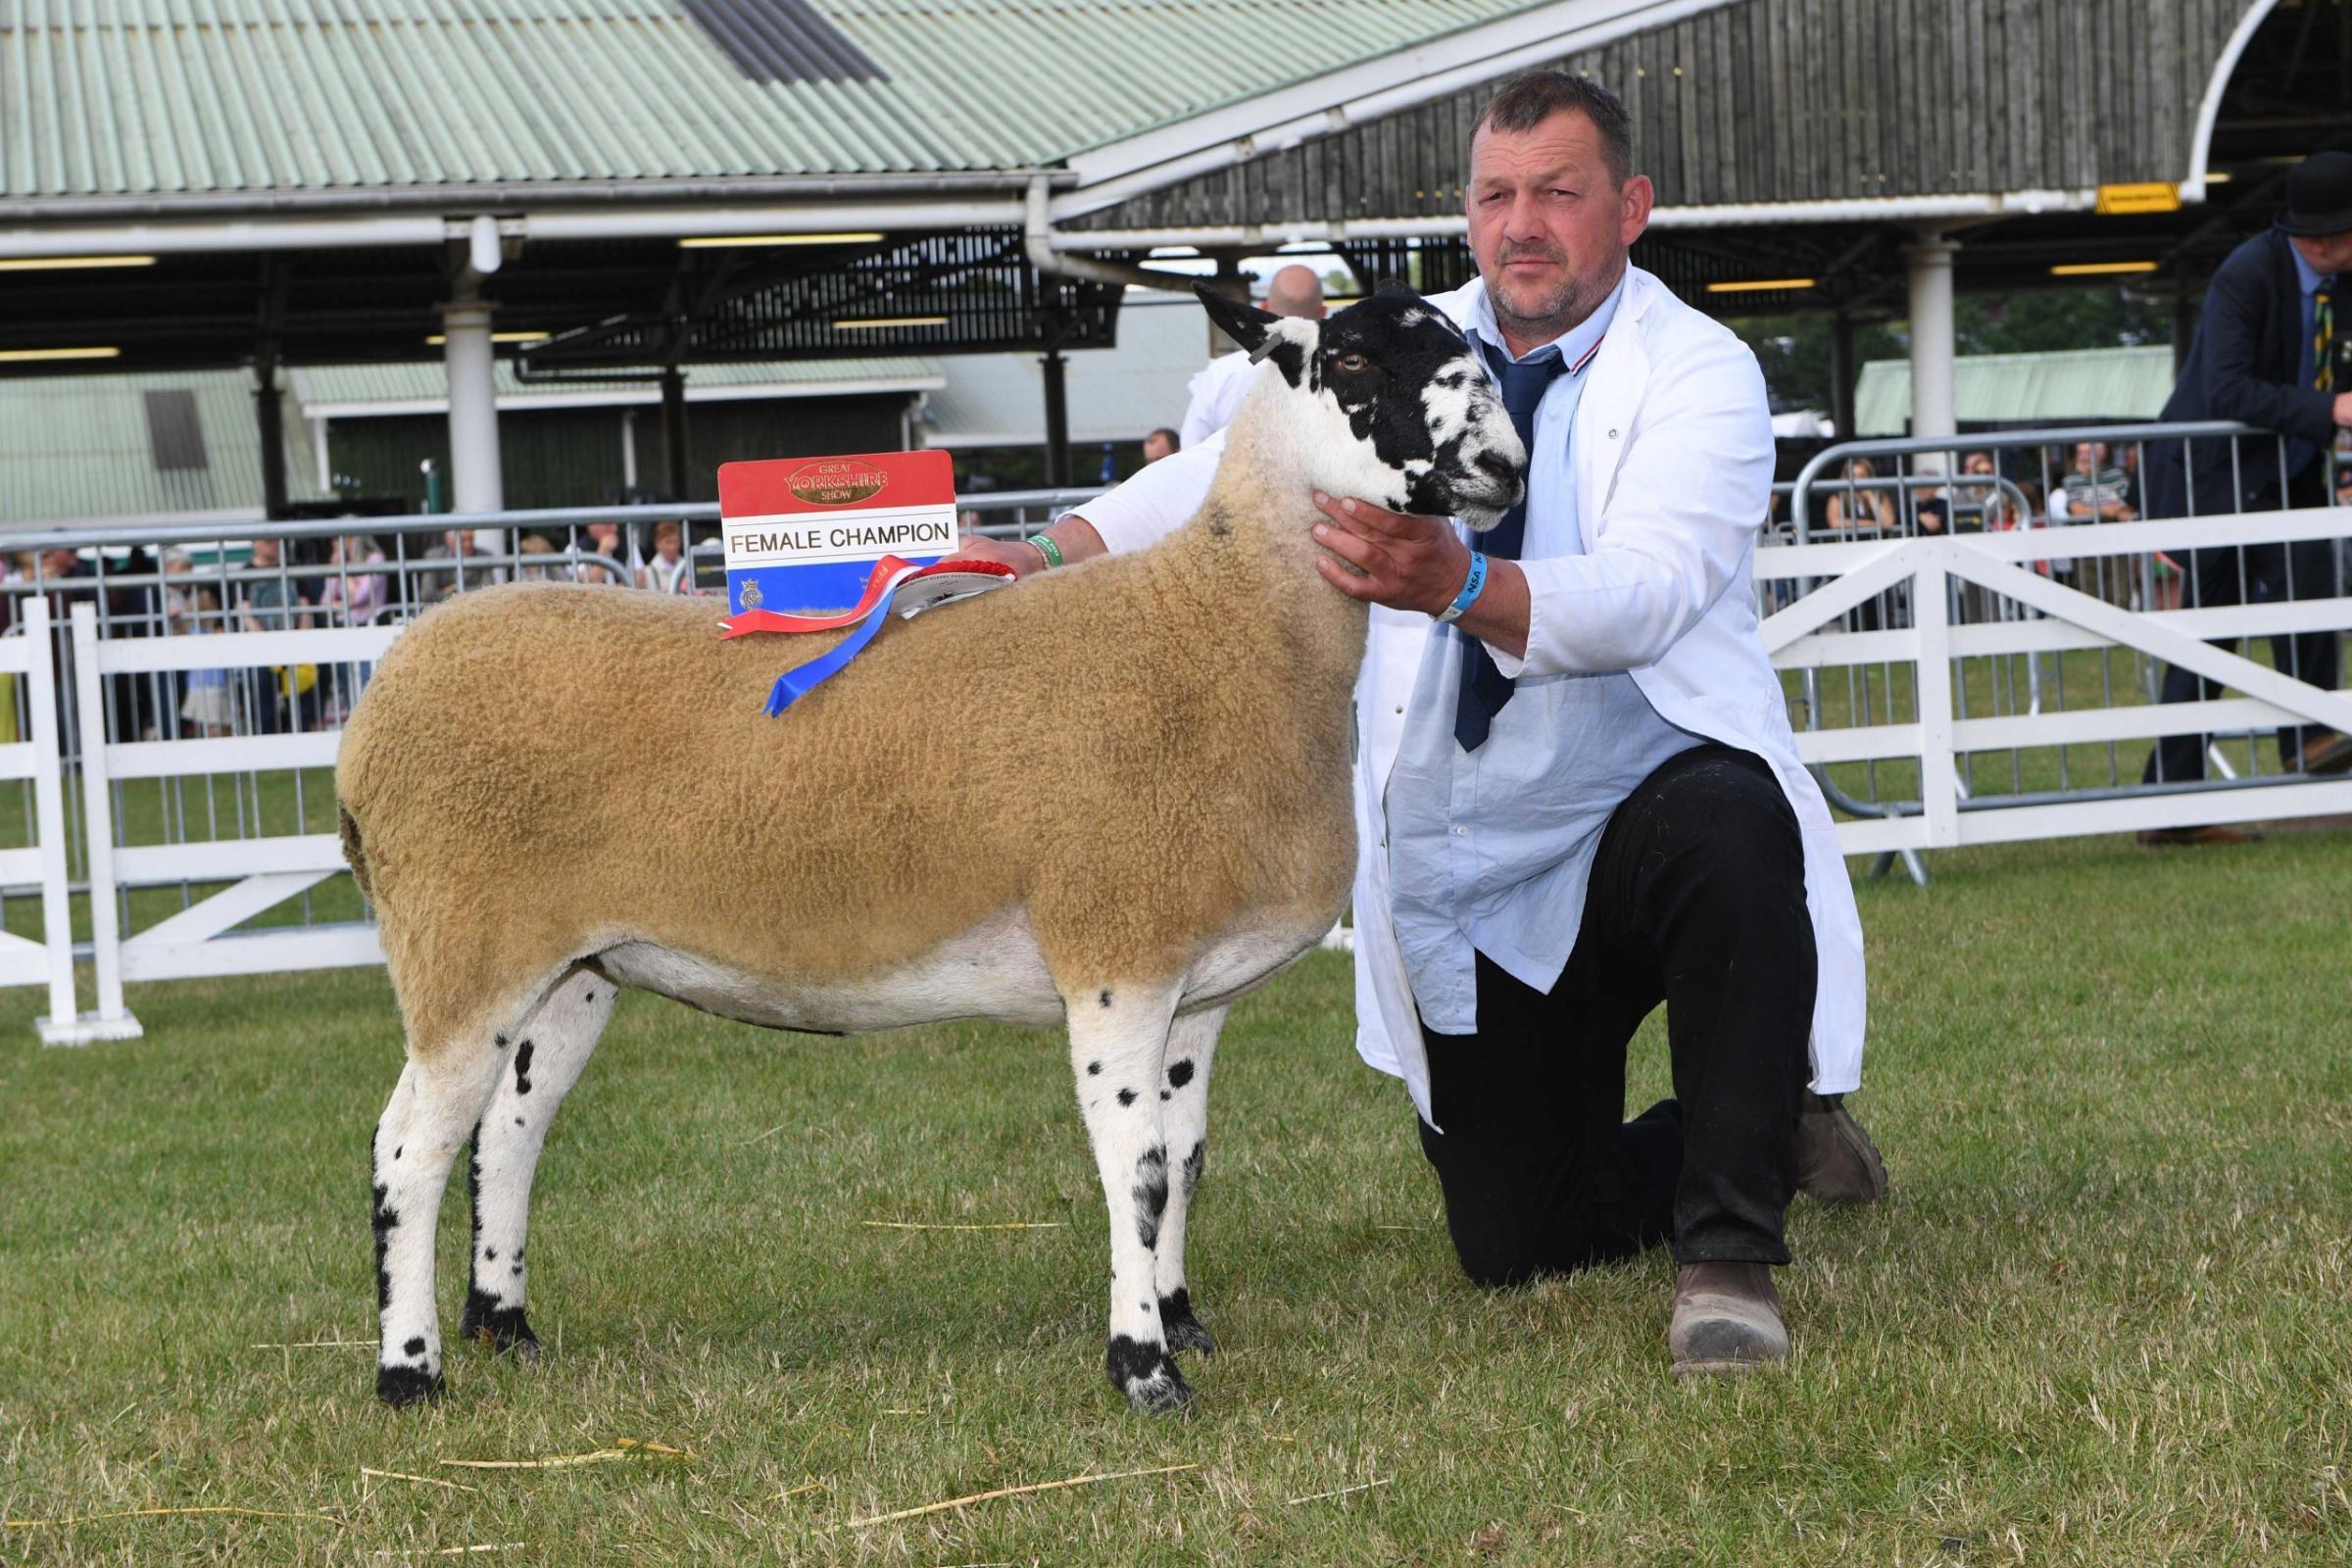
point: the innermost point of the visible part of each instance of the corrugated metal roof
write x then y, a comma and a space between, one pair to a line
354, 386
81, 445
1115, 394
2075, 384
144, 97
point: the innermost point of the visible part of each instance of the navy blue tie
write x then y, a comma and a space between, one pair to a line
1485, 688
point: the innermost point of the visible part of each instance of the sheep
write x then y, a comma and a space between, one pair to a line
551, 791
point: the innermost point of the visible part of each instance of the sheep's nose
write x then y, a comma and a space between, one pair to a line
1498, 466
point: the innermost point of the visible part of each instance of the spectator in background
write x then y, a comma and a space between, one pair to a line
209, 707
286, 696
666, 571
352, 595
535, 544
604, 539
2095, 489
178, 606
1162, 443
1855, 508
1218, 391
1984, 507
2264, 355
176, 612
457, 548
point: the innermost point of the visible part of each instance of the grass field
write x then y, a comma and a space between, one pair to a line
2102, 1320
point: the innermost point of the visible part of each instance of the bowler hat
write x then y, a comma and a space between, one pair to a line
2318, 196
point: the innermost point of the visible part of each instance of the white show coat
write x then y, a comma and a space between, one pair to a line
1216, 396
1664, 454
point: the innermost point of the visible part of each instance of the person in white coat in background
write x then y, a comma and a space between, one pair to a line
1577, 791
1218, 391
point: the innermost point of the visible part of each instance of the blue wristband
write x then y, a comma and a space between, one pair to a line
1472, 586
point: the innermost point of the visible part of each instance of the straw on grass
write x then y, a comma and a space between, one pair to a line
1319, 1497
1011, 1492
154, 1513
1009, 1225
622, 1449
449, 1551
430, 1480
794, 1492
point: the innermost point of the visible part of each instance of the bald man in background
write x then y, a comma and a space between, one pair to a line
1218, 391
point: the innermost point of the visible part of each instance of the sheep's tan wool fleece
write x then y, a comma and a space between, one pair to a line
1144, 750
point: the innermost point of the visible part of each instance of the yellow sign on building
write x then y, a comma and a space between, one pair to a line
2149, 196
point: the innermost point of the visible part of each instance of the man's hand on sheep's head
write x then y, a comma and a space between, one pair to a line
1389, 557
1409, 562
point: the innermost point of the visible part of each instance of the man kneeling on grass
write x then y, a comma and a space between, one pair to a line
1578, 793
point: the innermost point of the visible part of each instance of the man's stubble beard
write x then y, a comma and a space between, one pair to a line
1563, 310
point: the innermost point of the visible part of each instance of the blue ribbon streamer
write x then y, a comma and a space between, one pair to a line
794, 684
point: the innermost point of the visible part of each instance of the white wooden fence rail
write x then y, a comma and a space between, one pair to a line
205, 938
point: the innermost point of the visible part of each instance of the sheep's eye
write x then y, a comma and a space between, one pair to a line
1353, 363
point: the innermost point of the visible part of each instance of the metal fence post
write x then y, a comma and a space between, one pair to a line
113, 1020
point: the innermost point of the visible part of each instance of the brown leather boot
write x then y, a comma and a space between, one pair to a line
1835, 1160
1727, 1318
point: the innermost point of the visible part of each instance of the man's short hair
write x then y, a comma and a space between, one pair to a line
1175, 442
1528, 100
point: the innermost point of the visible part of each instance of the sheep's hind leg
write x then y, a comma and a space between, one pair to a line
436, 1101
1192, 1043
1118, 1040
547, 1051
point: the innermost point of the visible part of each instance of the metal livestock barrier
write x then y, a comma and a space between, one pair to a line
182, 693
2021, 566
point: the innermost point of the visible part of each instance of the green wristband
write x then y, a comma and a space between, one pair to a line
1047, 548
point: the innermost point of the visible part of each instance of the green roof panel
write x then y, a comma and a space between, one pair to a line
158, 97
2064, 387
85, 446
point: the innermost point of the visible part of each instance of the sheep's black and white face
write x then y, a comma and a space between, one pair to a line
1388, 404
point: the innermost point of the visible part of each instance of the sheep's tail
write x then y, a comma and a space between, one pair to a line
347, 827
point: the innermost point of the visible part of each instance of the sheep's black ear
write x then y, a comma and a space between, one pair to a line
1239, 319
1395, 285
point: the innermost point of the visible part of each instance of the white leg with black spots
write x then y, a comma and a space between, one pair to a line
1118, 1040
432, 1110
1184, 1120
543, 1061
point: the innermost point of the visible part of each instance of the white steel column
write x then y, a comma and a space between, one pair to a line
1933, 408
475, 483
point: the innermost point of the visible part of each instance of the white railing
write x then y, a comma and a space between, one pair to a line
1803, 637
185, 838
31, 657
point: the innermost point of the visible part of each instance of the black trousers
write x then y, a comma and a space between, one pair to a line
1698, 899
2257, 575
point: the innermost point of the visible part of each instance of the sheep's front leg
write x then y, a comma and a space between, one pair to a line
1118, 1040
1184, 1086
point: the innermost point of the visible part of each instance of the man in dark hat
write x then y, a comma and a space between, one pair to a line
2265, 355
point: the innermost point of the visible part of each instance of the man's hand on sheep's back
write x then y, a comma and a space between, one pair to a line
1412, 562
1072, 535
1025, 560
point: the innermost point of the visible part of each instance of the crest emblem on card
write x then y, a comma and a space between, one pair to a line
748, 598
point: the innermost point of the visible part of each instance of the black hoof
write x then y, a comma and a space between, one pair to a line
501, 1328
1184, 1331
403, 1386
1147, 1376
